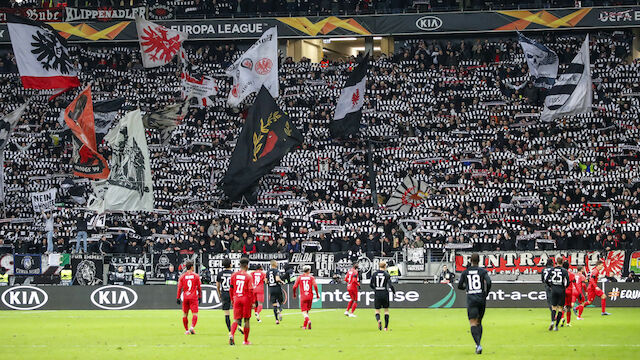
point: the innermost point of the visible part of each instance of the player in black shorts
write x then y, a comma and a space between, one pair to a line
222, 284
547, 289
276, 297
558, 280
381, 283
476, 281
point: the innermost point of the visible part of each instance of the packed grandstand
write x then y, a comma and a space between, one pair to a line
449, 112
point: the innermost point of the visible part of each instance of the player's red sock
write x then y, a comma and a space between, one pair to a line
306, 321
258, 309
603, 304
569, 317
185, 322
349, 305
194, 320
234, 327
580, 308
246, 333
353, 308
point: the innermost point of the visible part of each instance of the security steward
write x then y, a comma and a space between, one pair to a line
66, 276
4, 277
394, 272
139, 276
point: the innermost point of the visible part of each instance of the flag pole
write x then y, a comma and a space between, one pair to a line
371, 170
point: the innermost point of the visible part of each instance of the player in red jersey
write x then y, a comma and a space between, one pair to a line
259, 278
241, 293
569, 295
353, 284
594, 291
189, 286
580, 287
307, 284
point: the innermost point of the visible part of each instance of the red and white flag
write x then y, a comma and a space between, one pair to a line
200, 87
41, 55
158, 44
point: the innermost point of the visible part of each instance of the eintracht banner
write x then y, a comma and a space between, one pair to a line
129, 187
158, 44
201, 89
256, 67
572, 92
41, 55
6, 127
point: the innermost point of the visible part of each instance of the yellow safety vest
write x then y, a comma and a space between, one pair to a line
66, 275
4, 279
138, 274
393, 271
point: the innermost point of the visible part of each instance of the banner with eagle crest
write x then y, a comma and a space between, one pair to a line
158, 44
41, 55
410, 194
346, 119
267, 136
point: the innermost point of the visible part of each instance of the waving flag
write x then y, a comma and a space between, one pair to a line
6, 128
158, 44
346, 120
258, 66
165, 120
129, 187
572, 92
542, 61
41, 55
410, 194
86, 161
265, 139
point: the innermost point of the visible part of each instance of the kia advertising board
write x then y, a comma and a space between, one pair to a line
113, 297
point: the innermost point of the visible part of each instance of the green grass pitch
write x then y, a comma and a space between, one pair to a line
415, 334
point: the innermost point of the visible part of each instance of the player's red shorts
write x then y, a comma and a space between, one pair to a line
259, 297
241, 308
190, 304
569, 298
305, 305
353, 293
593, 292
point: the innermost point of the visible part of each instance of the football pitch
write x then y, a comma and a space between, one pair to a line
415, 334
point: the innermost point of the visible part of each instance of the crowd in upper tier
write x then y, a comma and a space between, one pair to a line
243, 8
457, 114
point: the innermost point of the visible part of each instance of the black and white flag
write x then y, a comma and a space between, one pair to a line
41, 55
542, 61
129, 187
6, 127
572, 92
346, 120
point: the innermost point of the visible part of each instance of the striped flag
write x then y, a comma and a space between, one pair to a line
346, 120
572, 92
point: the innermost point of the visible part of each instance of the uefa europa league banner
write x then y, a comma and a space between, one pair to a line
113, 24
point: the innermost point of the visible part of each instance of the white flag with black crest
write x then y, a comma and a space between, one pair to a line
41, 55
542, 61
572, 92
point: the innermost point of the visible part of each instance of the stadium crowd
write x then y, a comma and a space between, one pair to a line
457, 114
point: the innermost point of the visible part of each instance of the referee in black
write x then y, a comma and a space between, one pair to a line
558, 280
475, 280
381, 283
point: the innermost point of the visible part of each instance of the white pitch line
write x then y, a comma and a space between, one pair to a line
298, 313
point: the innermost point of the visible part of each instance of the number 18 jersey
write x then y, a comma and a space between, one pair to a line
476, 282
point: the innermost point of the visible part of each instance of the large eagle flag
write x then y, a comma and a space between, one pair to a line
41, 55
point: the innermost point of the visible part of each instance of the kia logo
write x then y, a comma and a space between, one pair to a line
114, 297
24, 298
210, 298
429, 23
